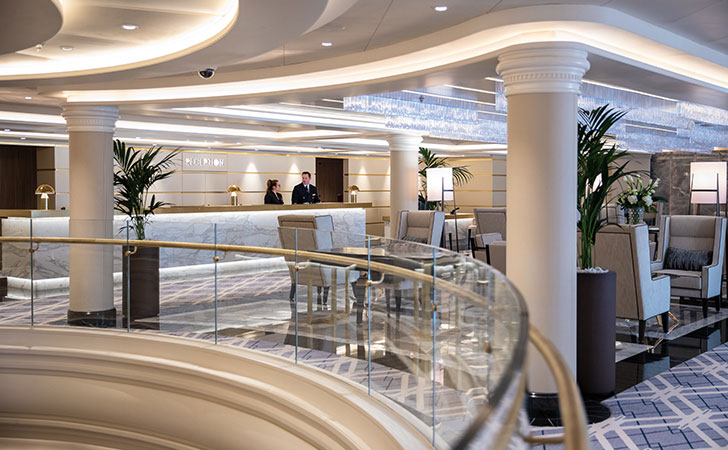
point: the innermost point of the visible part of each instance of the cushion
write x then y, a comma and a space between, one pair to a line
683, 278
680, 259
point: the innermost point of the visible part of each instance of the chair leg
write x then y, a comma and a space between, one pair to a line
705, 307
318, 295
717, 303
292, 294
398, 299
326, 294
386, 297
641, 332
665, 321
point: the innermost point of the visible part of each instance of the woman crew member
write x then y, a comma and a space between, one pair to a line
272, 197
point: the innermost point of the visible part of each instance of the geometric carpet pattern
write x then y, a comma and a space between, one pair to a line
685, 407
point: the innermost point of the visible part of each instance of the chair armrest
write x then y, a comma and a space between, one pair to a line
484, 239
656, 265
659, 277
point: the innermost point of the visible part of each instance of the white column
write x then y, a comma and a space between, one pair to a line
542, 83
91, 159
403, 176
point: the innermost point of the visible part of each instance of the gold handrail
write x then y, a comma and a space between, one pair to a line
310, 255
571, 407
572, 410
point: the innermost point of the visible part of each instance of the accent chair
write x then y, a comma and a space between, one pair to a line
691, 250
625, 249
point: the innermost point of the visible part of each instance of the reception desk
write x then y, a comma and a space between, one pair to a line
254, 225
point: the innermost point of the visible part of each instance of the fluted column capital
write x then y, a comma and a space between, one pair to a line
100, 118
402, 142
547, 67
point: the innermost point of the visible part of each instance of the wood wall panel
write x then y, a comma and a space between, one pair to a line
18, 165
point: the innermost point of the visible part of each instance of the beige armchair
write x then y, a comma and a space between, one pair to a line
625, 249
696, 273
490, 220
424, 227
313, 233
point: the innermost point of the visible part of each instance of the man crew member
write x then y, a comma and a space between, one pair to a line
305, 192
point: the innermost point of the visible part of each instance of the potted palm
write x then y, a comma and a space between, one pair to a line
137, 171
598, 170
428, 160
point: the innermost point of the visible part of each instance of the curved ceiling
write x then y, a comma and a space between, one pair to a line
120, 34
606, 32
28, 23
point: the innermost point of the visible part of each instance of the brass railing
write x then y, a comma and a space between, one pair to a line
572, 410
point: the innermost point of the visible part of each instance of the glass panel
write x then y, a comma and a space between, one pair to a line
438, 352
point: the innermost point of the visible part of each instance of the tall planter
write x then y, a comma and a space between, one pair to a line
141, 278
596, 316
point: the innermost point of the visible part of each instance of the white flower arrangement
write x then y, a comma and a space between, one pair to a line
637, 195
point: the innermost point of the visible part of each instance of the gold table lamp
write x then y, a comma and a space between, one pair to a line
353, 192
233, 190
44, 190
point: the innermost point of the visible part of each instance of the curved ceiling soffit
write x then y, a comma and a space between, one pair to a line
603, 31
248, 36
189, 41
28, 23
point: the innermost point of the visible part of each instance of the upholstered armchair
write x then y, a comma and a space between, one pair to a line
313, 233
490, 220
691, 251
424, 227
490, 226
625, 249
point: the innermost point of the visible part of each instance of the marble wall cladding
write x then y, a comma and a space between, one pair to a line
673, 170
253, 228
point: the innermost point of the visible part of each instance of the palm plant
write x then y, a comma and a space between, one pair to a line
460, 174
137, 171
598, 170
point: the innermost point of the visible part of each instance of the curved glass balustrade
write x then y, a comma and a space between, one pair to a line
438, 333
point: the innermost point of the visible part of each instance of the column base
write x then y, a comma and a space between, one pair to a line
99, 319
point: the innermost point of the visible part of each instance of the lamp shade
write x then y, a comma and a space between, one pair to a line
705, 178
44, 189
439, 182
233, 189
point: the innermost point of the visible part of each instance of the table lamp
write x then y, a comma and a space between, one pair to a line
708, 183
44, 190
233, 190
353, 192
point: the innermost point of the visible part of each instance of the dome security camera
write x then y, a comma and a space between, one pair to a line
207, 73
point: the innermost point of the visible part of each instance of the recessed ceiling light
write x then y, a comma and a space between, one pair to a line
6, 130
130, 26
22, 138
66, 48
440, 8
28, 97
327, 44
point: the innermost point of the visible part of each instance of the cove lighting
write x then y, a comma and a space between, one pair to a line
188, 40
608, 32
129, 26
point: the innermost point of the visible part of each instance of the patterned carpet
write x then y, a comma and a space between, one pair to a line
685, 407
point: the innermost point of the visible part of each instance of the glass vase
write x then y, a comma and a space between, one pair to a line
635, 216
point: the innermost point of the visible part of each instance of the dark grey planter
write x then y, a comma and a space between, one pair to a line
596, 316
143, 283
